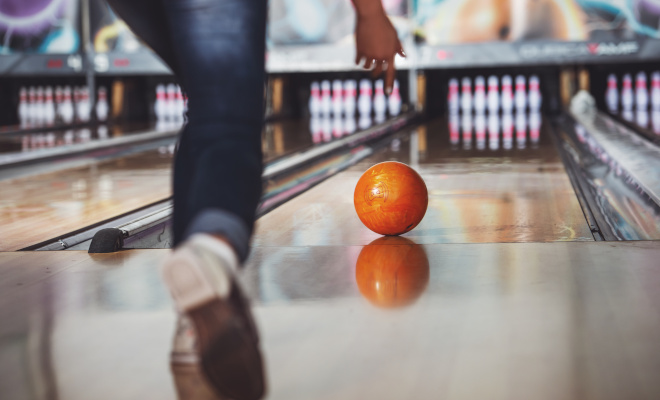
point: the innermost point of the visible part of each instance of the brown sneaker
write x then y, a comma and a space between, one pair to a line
200, 276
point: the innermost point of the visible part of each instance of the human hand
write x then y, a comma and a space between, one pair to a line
377, 42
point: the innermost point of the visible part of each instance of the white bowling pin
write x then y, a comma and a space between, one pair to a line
627, 93
521, 93
612, 94
67, 108
337, 97
480, 128
171, 102
493, 94
479, 94
466, 95
160, 105
534, 97
394, 100
628, 115
365, 121
641, 92
49, 106
452, 96
23, 106
507, 94
466, 128
315, 99
101, 104
84, 105
315, 128
350, 98
655, 91
380, 103
364, 101
40, 108
326, 98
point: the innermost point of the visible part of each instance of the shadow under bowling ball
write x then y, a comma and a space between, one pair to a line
392, 271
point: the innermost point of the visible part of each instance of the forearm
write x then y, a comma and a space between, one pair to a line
368, 8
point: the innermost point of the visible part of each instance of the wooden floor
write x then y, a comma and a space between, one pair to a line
450, 310
40, 207
499, 321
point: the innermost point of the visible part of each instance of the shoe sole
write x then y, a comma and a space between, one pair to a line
220, 334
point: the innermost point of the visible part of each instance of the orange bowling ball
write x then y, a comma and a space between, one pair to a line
392, 271
390, 198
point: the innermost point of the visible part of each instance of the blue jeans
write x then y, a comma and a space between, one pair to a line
216, 50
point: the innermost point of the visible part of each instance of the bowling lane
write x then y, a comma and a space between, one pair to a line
489, 186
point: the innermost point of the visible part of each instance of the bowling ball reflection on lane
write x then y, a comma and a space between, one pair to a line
390, 198
392, 272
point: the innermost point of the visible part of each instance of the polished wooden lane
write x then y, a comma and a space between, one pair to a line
35, 207
475, 196
562, 320
40, 207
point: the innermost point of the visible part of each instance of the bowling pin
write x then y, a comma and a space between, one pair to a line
160, 106
466, 95
67, 110
315, 99
479, 94
23, 106
493, 94
612, 94
655, 91
326, 98
337, 97
521, 93
102, 104
32, 105
170, 102
40, 108
380, 103
394, 100
507, 94
49, 106
364, 101
627, 93
628, 115
350, 95
84, 105
179, 105
452, 96
641, 92
534, 97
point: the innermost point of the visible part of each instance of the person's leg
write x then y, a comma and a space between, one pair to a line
217, 179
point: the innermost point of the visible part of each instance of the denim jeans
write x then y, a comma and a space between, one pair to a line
216, 50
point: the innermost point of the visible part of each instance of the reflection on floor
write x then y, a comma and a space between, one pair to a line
496, 129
